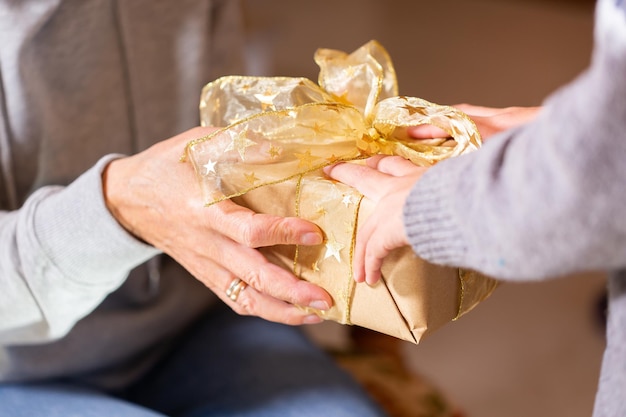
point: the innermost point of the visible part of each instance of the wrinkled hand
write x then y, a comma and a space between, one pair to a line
488, 120
158, 199
385, 182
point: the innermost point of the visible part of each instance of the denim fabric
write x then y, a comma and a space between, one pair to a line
226, 366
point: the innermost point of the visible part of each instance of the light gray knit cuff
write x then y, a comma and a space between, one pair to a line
430, 216
80, 236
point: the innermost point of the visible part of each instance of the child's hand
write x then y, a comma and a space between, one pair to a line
386, 181
488, 120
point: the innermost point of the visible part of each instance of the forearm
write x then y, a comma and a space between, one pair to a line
62, 254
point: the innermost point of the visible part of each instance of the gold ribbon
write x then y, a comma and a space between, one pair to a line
299, 127
279, 129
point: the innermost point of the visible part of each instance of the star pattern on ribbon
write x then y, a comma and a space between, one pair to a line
274, 151
240, 142
349, 132
349, 227
321, 210
251, 177
412, 109
347, 200
305, 159
209, 167
317, 127
343, 98
333, 249
267, 100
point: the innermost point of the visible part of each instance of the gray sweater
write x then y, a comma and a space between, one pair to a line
82, 82
546, 199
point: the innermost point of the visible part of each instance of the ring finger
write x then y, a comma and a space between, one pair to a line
246, 300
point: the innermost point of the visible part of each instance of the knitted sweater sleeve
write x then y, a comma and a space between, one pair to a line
62, 252
547, 198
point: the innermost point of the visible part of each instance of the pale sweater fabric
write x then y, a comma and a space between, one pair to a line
546, 199
83, 82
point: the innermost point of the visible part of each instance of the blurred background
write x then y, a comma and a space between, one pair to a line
531, 349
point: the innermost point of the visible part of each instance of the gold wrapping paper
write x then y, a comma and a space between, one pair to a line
279, 132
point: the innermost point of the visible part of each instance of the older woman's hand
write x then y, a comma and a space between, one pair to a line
158, 199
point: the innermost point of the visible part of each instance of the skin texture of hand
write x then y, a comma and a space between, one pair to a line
488, 120
385, 181
157, 198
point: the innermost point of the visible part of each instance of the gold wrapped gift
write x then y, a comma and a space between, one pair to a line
280, 132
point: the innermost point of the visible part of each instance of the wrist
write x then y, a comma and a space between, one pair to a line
113, 194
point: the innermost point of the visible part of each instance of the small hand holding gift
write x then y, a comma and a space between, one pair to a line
280, 132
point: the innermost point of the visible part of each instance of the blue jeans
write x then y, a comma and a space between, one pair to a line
226, 366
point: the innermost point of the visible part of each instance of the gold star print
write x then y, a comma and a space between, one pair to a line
343, 99
209, 167
332, 159
321, 210
251, 178
241, 143
315, 267
267, 100
306, 159
349, 227
412, 109
333, 248
274, 151
349, 132
317, 127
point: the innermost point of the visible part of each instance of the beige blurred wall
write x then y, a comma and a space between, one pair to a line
488, 52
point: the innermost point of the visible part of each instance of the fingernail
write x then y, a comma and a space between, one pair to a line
319, 305
312, 319
311, 239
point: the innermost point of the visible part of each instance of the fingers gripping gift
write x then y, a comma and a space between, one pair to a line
280, 132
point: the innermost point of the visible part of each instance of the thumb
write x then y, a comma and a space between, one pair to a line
259, 230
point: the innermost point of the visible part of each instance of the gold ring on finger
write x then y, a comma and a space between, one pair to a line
235, 288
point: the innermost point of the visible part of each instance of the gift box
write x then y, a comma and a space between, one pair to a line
276, 135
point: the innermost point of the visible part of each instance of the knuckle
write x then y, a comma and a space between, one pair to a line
250, 235
247, 304
258, 278
253, 278
268, 230
371, 258
283, 231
